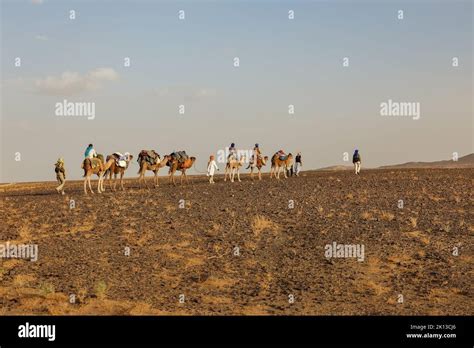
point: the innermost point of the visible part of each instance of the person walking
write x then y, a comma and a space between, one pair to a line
211, 168
60, 175
357, 161
298, 164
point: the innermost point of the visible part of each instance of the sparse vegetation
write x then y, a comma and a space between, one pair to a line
260, 223
100, 289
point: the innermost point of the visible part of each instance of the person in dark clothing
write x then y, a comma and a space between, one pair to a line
356, 159
298, 164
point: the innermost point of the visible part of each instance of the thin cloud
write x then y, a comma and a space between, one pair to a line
42, 37
186, 93
70, 83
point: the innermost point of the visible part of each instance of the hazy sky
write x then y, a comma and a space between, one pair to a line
191, 62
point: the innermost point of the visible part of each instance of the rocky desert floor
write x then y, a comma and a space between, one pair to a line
248, 248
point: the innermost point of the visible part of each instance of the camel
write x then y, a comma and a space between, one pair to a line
115, 170
278, 165
100, 169
144, 166
259, 165
175, 165
233, 166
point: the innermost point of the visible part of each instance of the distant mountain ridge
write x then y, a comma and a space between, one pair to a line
462, 162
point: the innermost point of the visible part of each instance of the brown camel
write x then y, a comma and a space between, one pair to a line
95, 166
115, 170
278, 165
144, 166
232, 167
175, 165
259, 165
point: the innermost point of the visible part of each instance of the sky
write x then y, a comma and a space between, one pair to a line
190, 62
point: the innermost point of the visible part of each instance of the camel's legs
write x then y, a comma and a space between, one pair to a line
171, 178
102, 177
121, 180
259, 174
238, 174
225, 173
89, 181
98, 186
85, 185
156, 178
108, 177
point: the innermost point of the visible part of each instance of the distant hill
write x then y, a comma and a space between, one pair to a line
340, 167
462, 162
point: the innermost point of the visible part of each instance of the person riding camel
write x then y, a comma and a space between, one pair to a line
281, 154
90, 152
232, 151
257, 154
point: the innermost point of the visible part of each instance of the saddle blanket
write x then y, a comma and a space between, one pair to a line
181, 156
149, 156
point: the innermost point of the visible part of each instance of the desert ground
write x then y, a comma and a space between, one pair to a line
244, 248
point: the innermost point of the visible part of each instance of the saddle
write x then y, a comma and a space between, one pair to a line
150, 156
96, 162
119, 159
180, 156
283, 158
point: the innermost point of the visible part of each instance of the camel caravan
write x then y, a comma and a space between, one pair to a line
116, 164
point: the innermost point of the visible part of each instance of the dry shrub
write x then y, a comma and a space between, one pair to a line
100, 289
413, 221
260, 223
387, 216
